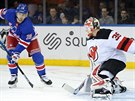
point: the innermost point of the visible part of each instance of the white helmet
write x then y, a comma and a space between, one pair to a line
91, 24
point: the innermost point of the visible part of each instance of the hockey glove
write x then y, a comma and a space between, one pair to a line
15, 56
3, 35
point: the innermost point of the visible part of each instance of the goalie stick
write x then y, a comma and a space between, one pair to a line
5, 49
71, 89
87, 82
74, 91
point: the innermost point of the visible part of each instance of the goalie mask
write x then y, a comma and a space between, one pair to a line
91, 24
3, 36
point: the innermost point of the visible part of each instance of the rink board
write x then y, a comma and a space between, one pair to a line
66, 45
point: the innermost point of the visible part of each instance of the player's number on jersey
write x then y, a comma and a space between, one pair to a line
116, 36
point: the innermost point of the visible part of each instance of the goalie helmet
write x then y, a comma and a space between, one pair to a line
91, 24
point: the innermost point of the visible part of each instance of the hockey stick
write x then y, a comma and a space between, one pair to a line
87, 80
74, 91
5, 49
71, 89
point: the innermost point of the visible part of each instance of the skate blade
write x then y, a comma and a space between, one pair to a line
13, 86
102, 97
43, 84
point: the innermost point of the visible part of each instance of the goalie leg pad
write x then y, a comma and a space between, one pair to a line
100, 87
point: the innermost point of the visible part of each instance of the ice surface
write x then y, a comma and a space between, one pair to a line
59, 75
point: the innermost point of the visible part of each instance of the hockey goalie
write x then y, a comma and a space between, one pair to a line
105, 48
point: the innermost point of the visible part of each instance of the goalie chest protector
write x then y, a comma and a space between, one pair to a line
104, 47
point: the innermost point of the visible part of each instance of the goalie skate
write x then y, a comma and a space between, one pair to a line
45, 80
118, 87
102, 90
101, 95
13, 81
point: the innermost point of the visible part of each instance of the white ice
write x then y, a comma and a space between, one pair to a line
59, 75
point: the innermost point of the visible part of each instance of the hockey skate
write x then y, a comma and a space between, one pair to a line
102, 90
13, 81
45, 80
117, 86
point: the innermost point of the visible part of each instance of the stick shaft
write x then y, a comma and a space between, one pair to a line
4, 47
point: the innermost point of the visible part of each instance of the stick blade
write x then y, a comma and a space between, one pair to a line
68, 88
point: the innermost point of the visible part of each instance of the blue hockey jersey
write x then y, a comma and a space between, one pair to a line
24, 32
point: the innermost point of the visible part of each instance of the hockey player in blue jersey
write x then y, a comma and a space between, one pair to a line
22, 37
